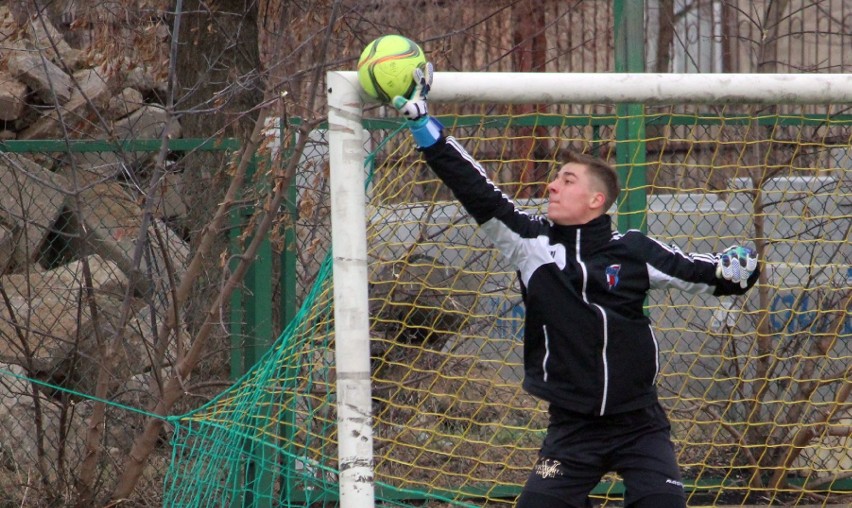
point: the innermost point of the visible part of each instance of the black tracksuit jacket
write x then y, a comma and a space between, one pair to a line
588, 346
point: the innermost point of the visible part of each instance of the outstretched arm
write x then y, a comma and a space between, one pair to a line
731, 272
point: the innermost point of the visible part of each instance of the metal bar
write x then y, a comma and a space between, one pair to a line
351, 312
630, 128
647, 88
259, 480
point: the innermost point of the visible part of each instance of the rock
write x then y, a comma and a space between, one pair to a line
43, 37
7, 248
58, 439
76, 112
30, 202
20, 441
10, 32
50, 82
12, 97
169, 199
45, 319
7, 22
129, 354
112, 219
141, 78
13, 386
125, 103
147, 123
52, 331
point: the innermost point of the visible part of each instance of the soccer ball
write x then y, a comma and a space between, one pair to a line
386, 66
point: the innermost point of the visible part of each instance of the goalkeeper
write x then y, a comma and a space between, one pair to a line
589, 348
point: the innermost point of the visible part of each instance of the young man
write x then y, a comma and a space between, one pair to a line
589, 349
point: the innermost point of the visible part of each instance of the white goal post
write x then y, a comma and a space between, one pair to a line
348, 205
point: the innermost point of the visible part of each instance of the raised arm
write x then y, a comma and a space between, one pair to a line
502, 221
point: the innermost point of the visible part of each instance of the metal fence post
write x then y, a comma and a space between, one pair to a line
629, 31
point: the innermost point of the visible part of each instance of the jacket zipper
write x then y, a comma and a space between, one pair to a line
546, 352
656, 354
603, 356
603, 319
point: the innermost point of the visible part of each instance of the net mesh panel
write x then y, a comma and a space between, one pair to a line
754, 386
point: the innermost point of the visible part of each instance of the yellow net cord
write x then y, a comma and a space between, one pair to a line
756, 387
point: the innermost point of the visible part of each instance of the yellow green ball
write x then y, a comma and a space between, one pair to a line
386, 66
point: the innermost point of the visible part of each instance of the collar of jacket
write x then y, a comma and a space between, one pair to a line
593, 234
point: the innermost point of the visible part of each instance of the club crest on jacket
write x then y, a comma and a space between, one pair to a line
612, 276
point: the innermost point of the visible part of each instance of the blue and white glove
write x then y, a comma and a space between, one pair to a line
425, 129
736, 264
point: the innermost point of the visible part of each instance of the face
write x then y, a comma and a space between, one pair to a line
574, 198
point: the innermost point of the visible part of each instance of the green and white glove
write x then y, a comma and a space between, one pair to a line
736, 264
425, 129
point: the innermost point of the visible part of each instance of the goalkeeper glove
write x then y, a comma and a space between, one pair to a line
425, 129
736, 264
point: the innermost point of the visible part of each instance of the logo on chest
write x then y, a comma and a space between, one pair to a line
557, 252
612, 276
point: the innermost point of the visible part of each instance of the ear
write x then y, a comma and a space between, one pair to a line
597, 200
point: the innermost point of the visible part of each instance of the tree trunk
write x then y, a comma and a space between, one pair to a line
768, 55
665, 37
730, 59
219, 87
528, 55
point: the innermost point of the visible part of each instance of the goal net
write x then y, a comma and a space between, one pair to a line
398, 384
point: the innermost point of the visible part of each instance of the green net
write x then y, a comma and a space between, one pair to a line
265, 441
